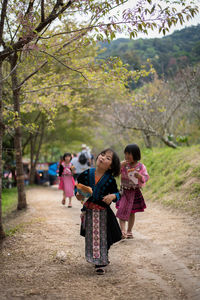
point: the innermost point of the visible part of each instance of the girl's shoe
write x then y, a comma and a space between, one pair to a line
124, 236
100, 271
129, 235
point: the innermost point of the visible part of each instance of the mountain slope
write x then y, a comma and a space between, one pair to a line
167, 54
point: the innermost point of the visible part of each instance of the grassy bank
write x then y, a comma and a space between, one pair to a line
9, 200
174, 177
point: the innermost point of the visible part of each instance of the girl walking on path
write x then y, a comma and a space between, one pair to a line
133, 176
99, 224
66, 179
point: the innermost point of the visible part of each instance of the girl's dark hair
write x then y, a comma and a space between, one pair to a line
115, 166
67, 154
134, 150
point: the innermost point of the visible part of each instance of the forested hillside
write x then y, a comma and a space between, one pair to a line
167, 54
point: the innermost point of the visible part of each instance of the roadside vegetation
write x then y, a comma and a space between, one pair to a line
9, 201
174, 177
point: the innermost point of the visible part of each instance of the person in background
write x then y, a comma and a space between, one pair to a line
80, 166
67, 182
92, 160
101, 227
53, 173
74, 162
133, 177
86, 153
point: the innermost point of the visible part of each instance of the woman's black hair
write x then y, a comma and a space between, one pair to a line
115, 166
67, 154
134, 150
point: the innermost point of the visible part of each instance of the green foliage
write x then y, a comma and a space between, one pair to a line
14, 230
174, 177
167, 54
9, 200
182, 139
21, 227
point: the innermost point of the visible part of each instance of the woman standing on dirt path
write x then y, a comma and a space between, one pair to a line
101, 228
133, 176
66, 179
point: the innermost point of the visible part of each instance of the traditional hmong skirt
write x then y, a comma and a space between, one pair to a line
100, 228
96, 249
131, 201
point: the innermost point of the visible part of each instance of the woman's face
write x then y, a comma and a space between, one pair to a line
129, 157
104, 160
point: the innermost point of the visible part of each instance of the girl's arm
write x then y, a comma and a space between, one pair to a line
123, 163
142, 176
81, 179
114, 194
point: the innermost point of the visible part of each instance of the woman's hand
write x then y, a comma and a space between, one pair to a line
79, 197
109, 198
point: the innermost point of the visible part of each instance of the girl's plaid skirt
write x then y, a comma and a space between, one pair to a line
131, 201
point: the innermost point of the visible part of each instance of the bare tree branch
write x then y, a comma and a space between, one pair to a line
30, 7
52, 87
42, 11
63, 64
27, 39
3, 16
30, 75
10, 73
29, 137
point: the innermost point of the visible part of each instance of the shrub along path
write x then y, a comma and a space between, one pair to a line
44, 258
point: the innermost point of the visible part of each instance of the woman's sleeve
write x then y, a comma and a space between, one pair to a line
60, 170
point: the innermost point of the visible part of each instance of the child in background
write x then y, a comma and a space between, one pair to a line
66, 179
133, 176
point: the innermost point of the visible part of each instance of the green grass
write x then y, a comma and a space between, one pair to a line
22, 226
9, 200
174, 177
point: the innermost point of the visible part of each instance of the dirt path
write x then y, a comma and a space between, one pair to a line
45, 257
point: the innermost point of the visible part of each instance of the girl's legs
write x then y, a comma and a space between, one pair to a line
122, 224
100, 269
63, 200
131, 222
70, 202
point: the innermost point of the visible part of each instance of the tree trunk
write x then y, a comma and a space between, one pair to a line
168, 143
35, 152
32, 170
2, 234
147, 139
18, 136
